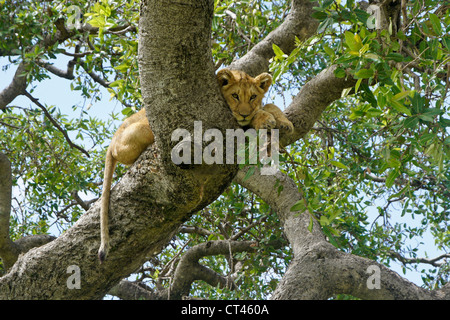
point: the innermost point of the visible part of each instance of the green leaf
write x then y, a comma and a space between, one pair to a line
353, 41
326, 3
401, 95
391, 178
299, 206
447, 141
278, 52
97, 21
433, 112
444, 122
324, 25
446, 42
418, 102
372, 56
310, 226
126, 111
329, 231
395, 56
426, 117
436, 23
123, 67
410, 122
329, 51
400, 107
364, 74
423, 139
319, 15
358, 83
373, 112
116, 83
324, 221
340, 73
338, 164
250, 172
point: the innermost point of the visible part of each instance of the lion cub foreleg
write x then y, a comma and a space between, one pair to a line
263, 120
281, 121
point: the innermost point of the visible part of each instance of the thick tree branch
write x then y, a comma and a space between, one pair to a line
16, 87
189, 269
298, 23
127, 290
319, 270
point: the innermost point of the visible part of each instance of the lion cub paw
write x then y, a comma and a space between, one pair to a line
264, 121
285, 125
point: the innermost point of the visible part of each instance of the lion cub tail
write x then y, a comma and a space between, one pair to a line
110, 165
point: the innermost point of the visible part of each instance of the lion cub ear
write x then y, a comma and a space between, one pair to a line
264, 80
224, 77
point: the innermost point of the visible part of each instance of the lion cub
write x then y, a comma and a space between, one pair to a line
244, 96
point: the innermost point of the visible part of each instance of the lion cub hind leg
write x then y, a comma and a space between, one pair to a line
263, 120
282, 122
130, 140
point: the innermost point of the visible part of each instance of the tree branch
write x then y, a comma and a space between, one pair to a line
9, 250
196, 230
434, 262
67, 74
94, 76
55, 123
16, 87
127, 290
298, 23
319, 270
188, 269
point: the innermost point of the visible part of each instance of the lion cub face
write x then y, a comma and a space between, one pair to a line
243, 93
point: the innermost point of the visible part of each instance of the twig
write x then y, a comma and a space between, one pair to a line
54, 122
434, 262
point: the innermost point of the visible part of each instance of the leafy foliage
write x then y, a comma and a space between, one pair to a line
374, 171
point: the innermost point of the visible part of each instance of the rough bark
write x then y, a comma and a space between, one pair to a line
8, 250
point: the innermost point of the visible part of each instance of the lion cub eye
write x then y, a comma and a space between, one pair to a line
253, 97
236, 96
